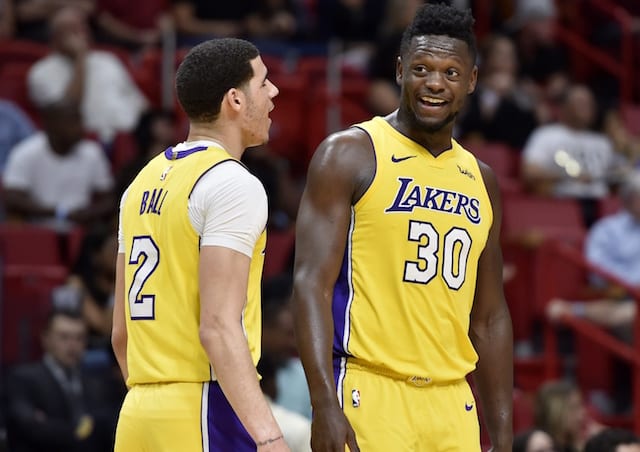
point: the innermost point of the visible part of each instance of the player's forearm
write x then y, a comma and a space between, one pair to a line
493, 341
314, 335
228, 350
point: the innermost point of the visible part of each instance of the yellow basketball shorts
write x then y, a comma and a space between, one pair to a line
185, 417
393, 414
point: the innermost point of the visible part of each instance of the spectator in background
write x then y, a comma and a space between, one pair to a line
110, 100
500, 110
569, 159
279, 347
53, 404
613, 244
613, 440
57, 177
133, 28
198, 20
93, 277
272, 20
384, 92
560, 411
33, 16
15, 126
533, 440
155, 132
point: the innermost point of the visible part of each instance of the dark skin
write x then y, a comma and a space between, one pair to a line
435, 69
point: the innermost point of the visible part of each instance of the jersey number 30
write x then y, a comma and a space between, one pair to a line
456, 245
146, 255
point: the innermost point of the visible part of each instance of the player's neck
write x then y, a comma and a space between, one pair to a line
207, 133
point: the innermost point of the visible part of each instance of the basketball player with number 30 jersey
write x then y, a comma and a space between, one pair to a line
187, 322
398, 273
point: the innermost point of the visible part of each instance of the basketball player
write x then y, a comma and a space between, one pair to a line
187, 311
398, 273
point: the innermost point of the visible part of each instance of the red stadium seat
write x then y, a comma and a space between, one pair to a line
279, 251
24, 244
18, 51
501, 158
13, 86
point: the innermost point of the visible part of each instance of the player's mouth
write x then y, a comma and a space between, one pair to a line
432, 102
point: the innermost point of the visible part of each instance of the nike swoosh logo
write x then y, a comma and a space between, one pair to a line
468, 407
395, 159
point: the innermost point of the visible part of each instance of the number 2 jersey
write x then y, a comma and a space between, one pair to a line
404, 294
189, 196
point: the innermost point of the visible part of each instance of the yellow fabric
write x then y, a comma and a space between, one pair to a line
161, 418
433, 418
161, 276
405, 292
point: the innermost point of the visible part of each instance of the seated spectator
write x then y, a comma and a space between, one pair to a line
56, 177
613, 440
32, 16
198, 20
15, 126
613, 244
534, 440
569, 159
500, 110
53, 404
90, 290
560, 411
109, 99
132, 28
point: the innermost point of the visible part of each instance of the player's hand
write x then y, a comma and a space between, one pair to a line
331, 431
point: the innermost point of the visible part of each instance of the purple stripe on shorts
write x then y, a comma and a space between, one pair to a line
226, 432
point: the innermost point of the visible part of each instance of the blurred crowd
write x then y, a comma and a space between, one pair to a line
85, 102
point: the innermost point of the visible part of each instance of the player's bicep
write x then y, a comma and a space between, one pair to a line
325, 211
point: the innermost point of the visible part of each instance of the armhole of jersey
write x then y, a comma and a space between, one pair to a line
367, 190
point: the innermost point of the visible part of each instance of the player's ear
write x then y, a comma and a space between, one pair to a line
234, 98
473, 80
399, 70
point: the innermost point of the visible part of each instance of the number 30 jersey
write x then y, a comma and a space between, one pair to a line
404, 294
162, 250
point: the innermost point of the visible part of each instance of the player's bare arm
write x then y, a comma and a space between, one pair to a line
223, 279
119, 327
491, 333
340, 171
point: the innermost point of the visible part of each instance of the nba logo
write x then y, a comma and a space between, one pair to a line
355, 398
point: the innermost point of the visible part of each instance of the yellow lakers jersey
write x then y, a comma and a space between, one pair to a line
404, 294
161, 276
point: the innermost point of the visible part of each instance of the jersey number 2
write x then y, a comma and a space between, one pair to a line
456, 243
146, 255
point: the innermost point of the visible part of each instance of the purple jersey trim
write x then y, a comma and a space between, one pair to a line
171, 155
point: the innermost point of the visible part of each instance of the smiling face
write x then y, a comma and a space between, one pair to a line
259, 93
435, 74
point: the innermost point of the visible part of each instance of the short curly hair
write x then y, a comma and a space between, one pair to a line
208, 71
441, 19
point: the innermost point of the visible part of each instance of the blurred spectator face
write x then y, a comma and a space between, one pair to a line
575, 415
579, 108
540, 441
70, 31
501, 56
65, 340
64, 128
